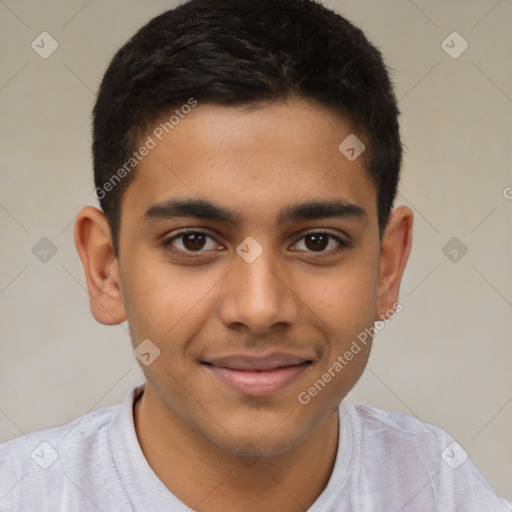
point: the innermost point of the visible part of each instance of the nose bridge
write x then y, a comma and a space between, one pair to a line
256, 295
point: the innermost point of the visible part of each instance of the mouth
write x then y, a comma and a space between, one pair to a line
258, 376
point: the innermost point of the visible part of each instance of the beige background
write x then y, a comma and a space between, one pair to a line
447, 356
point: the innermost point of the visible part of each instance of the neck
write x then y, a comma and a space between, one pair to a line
204, 477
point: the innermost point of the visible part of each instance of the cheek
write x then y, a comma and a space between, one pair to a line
163, 303
344, 298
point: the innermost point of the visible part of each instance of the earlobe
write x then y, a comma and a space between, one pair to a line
94, 245
396, 247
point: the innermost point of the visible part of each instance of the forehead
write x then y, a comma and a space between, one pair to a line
251, 160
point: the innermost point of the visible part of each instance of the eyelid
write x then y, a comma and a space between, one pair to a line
320, 231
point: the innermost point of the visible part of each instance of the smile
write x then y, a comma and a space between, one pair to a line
253, 376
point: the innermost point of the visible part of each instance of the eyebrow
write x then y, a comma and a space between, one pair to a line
203, 209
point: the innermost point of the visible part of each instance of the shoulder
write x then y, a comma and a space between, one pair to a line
396, 453
401, 435
36, 467
65, 439
391, 423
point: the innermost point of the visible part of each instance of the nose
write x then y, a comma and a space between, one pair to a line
258, 295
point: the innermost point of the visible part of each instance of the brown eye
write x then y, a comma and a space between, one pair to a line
189, 242
193, 241
322, 243
317, 241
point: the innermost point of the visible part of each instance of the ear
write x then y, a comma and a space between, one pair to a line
93, 242
396, 246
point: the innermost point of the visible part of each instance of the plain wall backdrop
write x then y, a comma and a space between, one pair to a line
447, 356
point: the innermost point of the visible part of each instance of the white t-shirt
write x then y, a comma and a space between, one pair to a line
386, 462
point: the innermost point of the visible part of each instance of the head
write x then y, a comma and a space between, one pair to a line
234, 225
237, 53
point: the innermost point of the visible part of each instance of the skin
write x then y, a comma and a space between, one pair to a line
212, 446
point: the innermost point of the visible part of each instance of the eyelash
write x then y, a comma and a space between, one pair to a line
196, 254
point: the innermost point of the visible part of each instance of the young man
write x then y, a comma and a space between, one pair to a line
246, 158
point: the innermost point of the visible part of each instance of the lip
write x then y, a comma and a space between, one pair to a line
258, 376
257, 363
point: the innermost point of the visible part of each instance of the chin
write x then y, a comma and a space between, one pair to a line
255, 438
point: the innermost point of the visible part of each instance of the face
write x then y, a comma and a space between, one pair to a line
249, 255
